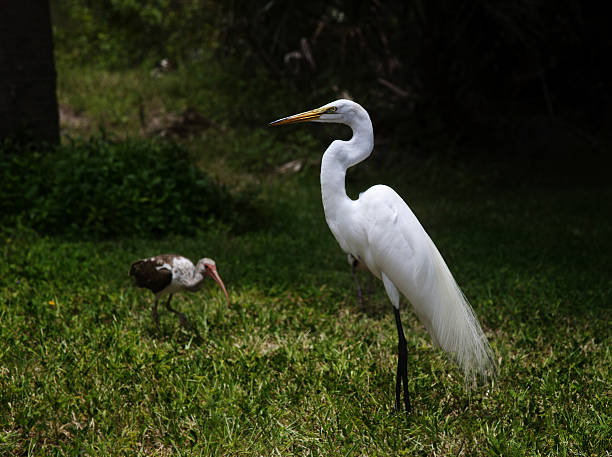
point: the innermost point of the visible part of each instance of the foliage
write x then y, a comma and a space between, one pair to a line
124, 33
103, 189
470, 73
296, 366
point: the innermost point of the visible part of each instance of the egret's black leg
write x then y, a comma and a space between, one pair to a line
398, 385
353, 265
402, 365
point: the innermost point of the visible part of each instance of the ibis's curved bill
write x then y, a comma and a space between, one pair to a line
212, 272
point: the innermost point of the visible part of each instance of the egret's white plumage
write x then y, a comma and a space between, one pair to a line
389, 239
379, 230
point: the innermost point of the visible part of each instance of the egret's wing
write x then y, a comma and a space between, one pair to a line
397, 244
399, 247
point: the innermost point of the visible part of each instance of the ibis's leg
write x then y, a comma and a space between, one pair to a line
402, 364
155, 315
182, 318
402, 350
353, 265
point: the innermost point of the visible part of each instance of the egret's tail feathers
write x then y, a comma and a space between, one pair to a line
453, 325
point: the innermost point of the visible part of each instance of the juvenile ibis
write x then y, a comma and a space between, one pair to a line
168, 274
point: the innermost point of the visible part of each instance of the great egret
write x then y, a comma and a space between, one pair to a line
171, 273
380, 231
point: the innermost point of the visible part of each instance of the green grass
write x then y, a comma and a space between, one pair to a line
296, 366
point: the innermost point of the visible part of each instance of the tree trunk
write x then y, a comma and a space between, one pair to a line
28, 103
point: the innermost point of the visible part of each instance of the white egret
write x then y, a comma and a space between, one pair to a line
171, 273
381, 232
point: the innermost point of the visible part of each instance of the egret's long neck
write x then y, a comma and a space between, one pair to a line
339, 156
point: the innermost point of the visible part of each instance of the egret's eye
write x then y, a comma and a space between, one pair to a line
331, 109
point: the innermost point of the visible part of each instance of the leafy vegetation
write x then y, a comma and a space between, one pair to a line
463, 78
127, 33
99, 188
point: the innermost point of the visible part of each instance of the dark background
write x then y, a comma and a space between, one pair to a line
524, 85
498, 79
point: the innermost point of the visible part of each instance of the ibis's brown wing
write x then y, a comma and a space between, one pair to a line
146, 275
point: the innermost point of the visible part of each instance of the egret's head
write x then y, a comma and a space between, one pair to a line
340, 112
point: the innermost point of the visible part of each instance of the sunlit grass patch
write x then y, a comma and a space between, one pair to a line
296, 365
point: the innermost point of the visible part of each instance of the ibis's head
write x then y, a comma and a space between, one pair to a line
340, 112
208, 267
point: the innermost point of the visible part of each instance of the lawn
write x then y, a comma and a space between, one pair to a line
296, 366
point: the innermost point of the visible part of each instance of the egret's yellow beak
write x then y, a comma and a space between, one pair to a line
302, 117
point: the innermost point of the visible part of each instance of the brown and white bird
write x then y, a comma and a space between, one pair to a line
168, 274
